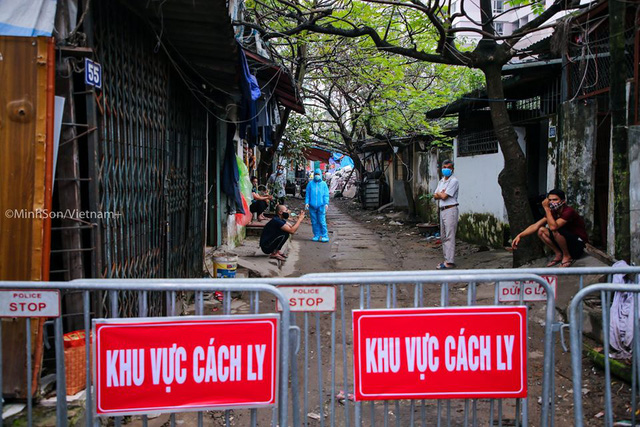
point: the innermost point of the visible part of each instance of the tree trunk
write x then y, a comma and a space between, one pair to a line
350, 146
619, 136
513, 178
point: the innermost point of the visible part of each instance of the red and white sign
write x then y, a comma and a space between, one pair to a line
30, 303
185, 364
532, 291
309, 298
440, 353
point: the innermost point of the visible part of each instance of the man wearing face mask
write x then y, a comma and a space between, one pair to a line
317, 202
562, 230
276, 233
447, 196
277, 185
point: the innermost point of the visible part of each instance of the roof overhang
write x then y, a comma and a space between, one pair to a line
523, 84
378, 145
200, 36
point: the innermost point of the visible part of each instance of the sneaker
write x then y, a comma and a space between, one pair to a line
324, 239
315, 238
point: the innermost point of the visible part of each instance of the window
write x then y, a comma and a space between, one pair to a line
474, 143
498, 6
499, 27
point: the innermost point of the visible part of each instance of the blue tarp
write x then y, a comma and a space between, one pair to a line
341, 160
248, 106
27, 18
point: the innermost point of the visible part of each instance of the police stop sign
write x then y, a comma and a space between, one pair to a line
185, 364
440, 353
30, 303
309, 298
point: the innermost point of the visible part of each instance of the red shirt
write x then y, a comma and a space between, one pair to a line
575, 223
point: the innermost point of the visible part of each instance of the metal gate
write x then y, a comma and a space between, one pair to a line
605, 291
171, 290
151, 154
582, 273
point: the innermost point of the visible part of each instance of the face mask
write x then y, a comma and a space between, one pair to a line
279, 172
446, 172
285, 215
317, 178
555, 206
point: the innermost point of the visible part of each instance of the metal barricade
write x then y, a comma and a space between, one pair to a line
606, 290
362, 291
171, 288
581, 273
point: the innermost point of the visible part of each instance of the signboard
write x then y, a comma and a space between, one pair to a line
30, 303
309, 298
440, 353
92, 73
185, 364
532, 291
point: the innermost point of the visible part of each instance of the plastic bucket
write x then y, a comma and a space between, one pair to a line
225, 266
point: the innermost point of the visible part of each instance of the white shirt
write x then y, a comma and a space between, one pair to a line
449, 186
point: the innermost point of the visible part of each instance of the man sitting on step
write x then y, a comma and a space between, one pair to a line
562, 230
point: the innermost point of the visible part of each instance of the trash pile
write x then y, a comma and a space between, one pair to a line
337, 182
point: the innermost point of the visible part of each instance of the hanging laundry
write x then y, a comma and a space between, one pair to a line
230, 173
248, 107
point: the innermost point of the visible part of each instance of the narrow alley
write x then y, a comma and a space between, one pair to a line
369, 240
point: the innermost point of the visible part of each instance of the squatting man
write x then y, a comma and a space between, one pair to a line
562, 230
277, 231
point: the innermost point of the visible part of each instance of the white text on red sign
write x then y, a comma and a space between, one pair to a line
309, 298
30, 303
531, 291
462, 352
219, 362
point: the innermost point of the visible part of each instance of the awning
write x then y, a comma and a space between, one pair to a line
314, 154
285, 90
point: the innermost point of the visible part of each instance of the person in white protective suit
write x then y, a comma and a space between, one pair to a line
317, 202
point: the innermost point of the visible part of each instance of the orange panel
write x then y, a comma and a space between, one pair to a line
25, 123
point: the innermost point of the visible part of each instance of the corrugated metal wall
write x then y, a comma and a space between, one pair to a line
23, 137
151, 154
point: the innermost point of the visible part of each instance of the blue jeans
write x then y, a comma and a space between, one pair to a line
319, 221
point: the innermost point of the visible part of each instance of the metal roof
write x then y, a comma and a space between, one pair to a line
199, 35
523, 85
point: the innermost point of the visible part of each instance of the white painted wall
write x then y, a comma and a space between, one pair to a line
479, 190
478, 176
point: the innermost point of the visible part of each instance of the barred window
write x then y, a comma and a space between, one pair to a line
470, 144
